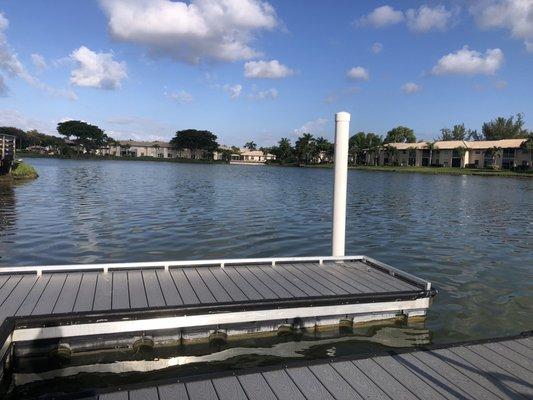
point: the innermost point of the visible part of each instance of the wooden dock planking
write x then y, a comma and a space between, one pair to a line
445, 373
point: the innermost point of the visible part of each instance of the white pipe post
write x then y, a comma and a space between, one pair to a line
342, 128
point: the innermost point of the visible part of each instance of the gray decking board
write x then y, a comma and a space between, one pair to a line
253, 281
274, 286
231, 287
120, 294
295, 274
511, 355
243, 284
67, 297
285, 283
229, 388
153, 289
175, 391
200, 289
48, 299
184, 287
168, 288
221, 295
103, 293
308, 384
137, 291
256, 387
373, 274
334, 382
85, 299
33, 296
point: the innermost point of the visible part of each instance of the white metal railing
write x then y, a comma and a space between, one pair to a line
215, 262
169, 264
7, 146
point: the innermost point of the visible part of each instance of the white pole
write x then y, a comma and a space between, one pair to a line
342, 128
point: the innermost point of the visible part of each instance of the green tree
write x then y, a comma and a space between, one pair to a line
85, 136
527, 147
400, 134
250, 145
392, 153
284, 151
505, 128
324, 149
306, 149
458, 132
196, 141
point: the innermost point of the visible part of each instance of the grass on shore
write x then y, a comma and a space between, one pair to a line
23, 171
434, 170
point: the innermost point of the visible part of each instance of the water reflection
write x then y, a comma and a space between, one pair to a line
93, 370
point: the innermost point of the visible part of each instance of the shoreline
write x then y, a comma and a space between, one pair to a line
432, 170
372, 168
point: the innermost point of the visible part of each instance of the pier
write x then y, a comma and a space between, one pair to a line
194, 300
7, 152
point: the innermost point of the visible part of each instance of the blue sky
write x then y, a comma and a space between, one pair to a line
252, 70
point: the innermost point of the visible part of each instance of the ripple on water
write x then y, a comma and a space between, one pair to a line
469, 235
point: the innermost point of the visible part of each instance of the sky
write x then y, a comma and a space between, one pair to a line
256, 70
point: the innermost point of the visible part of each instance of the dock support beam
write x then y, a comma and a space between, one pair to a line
342, 129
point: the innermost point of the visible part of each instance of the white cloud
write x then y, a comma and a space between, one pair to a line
425, 18
38, 61
264, 95
377, 48
220, 30
381, 17
469, 62
10, 117
411, 87
358, 73
12, 66
315, 127
233, 90
515, 15
98, 70
266, 69
181, 97
3, 88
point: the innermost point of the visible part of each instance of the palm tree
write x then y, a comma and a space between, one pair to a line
431, 147
461, 151
527, 147
306, 148
250, 146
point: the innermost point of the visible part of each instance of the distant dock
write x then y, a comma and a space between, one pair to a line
7, 152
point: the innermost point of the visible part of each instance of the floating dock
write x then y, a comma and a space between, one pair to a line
194, 300
495, 369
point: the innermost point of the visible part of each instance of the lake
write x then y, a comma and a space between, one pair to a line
471, 236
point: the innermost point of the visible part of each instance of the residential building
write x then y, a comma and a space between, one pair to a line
156, 149
251, 157
501, 154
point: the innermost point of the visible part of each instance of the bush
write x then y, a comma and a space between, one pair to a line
21, 170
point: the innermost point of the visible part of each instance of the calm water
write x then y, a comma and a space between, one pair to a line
471, 236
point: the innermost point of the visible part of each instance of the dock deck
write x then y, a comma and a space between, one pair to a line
499, 369
194, 299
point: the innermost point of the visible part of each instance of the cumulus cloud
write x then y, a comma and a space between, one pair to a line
3, 88
38, 61
377, 48
515, 15
10, 117
358, 73
233, 90
13, 67
315, 127
381, 17
269, 94
181, 96
425, 18
98, 70
411, 87
266, 69
469, 62
199, 30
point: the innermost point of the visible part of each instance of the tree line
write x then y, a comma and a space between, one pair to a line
307, 149
78, 136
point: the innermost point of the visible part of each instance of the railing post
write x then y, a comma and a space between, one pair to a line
342, 128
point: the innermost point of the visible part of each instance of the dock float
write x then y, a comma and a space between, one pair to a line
492, 369
192, 300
